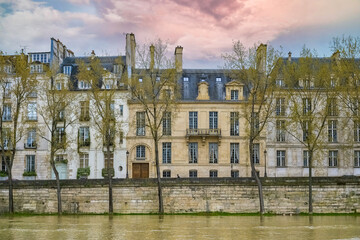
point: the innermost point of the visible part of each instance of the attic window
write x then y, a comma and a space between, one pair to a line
140, 80
186, 79
83, 85
218, 79
116, 69
67, 70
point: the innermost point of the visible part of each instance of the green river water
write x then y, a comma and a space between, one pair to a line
144, 227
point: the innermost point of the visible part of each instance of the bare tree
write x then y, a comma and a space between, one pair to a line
255, 68
57, 112
17, 83
154, 87
104, 89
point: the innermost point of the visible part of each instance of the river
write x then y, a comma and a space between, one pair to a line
145, 227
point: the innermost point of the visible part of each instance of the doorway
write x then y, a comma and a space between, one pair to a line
140, 170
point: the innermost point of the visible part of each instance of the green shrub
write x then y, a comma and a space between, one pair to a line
105, 172
3, 173
29, 174
83, 172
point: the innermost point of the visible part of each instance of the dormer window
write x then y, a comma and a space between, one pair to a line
140, 80
280, 82
58, 86
218, 79
36, 68
234, 95
83, 85
8, 69
186, 79
67, 70
116, 69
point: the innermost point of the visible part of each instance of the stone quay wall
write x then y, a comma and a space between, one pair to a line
281, 195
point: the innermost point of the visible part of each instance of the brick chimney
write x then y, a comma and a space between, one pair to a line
289, 56
261, 58
178, 59
152, 55
130, 53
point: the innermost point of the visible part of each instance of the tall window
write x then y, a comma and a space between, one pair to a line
332, 107
305, 129
3, 164
6, 135
256, 122
280, 107
357, 131
84, 160
167, 174
193, 120
121, 110
31, 138
256, 153
193, 152
166, 153
7, 92
84, 111
306, 158
140, 152
213, 173
166, 121
306, 106
332, 131
280, 130
213, 120
121, 137
67, 70
140, 123
109, 157
31, 111
280, 158
333, 158
6, 112
193, 174
84, 136
357, 158
30, 163
213, 153
234, 94
60, 135
234, 173
61, 113
112, 110
234, 152
234, 123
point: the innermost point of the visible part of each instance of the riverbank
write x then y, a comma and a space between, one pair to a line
222, 196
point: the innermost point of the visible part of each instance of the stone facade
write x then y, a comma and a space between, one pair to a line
282, 195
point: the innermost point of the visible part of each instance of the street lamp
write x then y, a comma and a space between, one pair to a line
265, 152
127, 165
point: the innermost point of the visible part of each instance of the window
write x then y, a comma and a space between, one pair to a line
140, 152
61, 114
193, 152
332, 107
30, 163
112, 110
116, 69
280, 107
83, 85
60, 136
58, 86
307, 83
121, 137
357, 131
6, 112
234, 152
140, 123
84, 111
31, 111
355, 107
213, 173
3, 164
256, 153
7, 90
234, 173
84, 136
6, 138
140, 80
234, 95
305, 129
32, 94
192, 173
109, 159
280, 158
166, 174
306, 158
256, 122
84, 160
166, 153
121, 110
333, 158
218, 79
193, 120
186, 79
167, 123
357, 158
306, 106
234, 123
31, 138
8, 69
280, 130
36, 68
60, 158
280, 82
213, 153
332, 132
67, 70
213, 120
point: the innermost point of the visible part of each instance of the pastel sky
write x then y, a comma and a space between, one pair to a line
205, 28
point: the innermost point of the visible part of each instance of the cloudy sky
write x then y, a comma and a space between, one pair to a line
205, 28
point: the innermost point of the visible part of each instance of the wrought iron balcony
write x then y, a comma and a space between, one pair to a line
203, 133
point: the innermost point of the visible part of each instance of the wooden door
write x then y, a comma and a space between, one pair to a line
140, 170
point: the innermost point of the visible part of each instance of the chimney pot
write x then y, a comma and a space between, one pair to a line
289, 58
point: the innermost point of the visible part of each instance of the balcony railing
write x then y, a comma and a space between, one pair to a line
203, 133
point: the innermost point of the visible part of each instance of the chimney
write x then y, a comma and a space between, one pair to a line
130, 53
152, 54
261, 58
289, 57
92, 54
336, 55
178, 59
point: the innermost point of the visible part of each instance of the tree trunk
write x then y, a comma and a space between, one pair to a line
58, 187
11, 192
310, 183
111, 208
161, 206
257, 179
